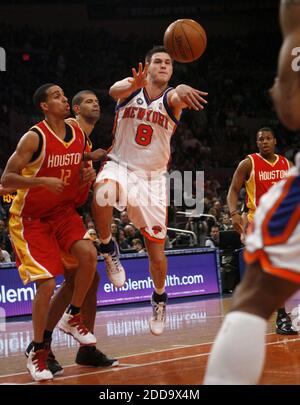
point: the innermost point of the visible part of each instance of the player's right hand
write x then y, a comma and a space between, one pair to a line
191, 97
139, 78
54, 184
87, 175
6, 190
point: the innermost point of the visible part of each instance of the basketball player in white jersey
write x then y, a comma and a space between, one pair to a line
147, 114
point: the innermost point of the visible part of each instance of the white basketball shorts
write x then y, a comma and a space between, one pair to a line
142, 194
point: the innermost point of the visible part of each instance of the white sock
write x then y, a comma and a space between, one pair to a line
105, 241
237, 356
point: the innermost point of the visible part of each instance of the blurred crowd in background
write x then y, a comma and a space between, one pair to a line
213, 140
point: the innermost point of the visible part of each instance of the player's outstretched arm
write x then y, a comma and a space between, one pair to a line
124, 88
11, 177
95, 155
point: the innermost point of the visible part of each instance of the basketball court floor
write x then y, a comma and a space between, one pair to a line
178, 357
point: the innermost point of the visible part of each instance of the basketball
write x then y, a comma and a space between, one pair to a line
185, 40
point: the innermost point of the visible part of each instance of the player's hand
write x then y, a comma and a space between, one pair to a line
87, 175
53, 184
191, 97
236, 220
98, 154
139, 78
6, 190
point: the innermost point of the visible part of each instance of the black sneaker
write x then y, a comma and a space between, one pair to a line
52, 363
284, 325
91, 356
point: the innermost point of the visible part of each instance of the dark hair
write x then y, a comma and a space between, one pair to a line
40, 95
77, 99
265, 129
155, 49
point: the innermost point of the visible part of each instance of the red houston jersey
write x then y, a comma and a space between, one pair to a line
58, 158
263, 175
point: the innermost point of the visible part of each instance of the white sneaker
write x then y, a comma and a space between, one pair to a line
73, 325
37, 365
114, 269
158, 319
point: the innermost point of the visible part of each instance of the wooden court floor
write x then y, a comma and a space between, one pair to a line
178, 357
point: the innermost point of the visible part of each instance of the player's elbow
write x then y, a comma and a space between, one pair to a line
111, 91
114, 92
5, 180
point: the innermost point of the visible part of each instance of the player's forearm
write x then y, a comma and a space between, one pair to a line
6, 190
289, 16
122, 89
87, 156
16, 181
176, 100
232, 200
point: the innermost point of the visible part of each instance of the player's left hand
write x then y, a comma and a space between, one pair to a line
191, 97
87, 175
139, 77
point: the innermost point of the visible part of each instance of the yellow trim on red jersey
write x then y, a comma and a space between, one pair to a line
30, 269
66, 144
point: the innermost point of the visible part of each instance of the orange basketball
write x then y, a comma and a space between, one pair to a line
185, 40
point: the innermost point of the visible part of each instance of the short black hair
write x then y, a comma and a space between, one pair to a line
265, 129
155, 49
77, 99
40, 95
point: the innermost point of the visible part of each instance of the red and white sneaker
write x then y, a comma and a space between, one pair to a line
113, 267
73, 325
37, 365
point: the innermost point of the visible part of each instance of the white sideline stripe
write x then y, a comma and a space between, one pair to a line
127, 366
122, 366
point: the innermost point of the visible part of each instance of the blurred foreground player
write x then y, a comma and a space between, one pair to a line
273, 247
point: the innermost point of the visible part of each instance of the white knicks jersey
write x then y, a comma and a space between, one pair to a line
142, 132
